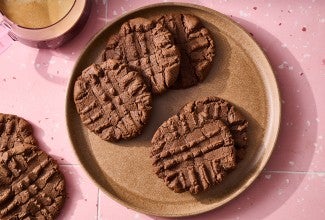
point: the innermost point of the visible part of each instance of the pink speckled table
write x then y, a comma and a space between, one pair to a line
33, 85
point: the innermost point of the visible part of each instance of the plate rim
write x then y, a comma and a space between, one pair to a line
276, 104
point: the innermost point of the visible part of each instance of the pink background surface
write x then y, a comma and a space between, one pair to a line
33, 85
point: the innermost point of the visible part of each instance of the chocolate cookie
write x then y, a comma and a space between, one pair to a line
192, 154
149, 47
195, 44
31, 185
13, 129
212, 108
112, 100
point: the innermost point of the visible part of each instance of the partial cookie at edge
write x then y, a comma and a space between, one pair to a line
13, 129
31, 185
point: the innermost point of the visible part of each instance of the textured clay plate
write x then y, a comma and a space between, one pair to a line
241, 74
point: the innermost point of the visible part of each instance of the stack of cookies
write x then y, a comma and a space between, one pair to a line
31, 185
194, 149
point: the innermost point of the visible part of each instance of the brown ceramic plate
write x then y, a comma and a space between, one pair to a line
241, 74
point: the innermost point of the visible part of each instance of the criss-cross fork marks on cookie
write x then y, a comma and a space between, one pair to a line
112, 100
30, 184
214, 108
191, 154
196, 47
149, 48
